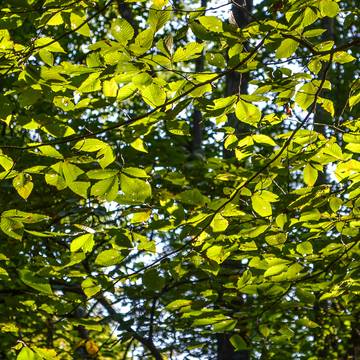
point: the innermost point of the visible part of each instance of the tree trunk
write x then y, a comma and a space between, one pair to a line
236, 83
196, 142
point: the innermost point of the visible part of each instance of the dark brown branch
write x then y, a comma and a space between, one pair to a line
147, 343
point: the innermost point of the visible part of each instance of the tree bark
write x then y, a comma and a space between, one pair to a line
196, 141
321, 117
236, 84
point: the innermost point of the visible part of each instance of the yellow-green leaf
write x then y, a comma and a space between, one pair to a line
109, 257
261, 206
122, 31
36, 282
23, 185
310, 175
110, 88
84, 242
286, 48
247, 113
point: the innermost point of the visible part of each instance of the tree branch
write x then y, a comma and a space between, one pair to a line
144, 341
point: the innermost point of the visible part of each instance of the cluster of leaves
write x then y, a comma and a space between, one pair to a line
105, 207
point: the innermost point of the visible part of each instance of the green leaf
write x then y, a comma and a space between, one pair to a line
35, 282
64, 103
305, 248
88, 324
3, 273
152, 280
84, 242
217, 254
110, 88
247, 113
310, 175
327, 105
79, 24
328, 8
91, 84
142, 79
157, 19
269, 196
47, 354
6, 162
281, 220
306, 95
315, 65
334, 150
238, 342
122, 31
276, 239
231, 142
49, 44
343, 57
143, 42
224, 325
139, 145
275, 270
305, 296
307, 323
90, 287
135, 191
313, 32
219, 223
146, 245
352, 138
109, 257
107, 188
70, 172
354, 99
211, 23
27, 354
309, 17
50, 151
261, 206
264, 139
23, 185
244, 279
286, 48
153, 95
47, 57
102, 174
105, 155
178, 304
56, 19
312, 215
190, 51
126, 91
335, 203
192, 197
25, 217
12, 228
80, 188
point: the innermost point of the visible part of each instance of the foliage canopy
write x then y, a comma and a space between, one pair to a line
126, 235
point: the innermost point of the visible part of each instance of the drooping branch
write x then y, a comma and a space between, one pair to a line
147, 343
